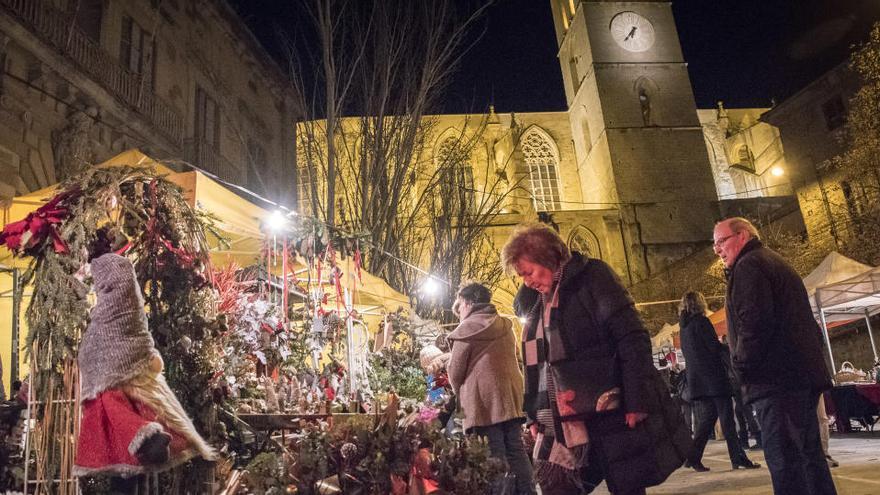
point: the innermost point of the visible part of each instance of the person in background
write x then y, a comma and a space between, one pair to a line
485, 376
746, 423
596, 405
708, 385
825, 431
678, 389
776, 351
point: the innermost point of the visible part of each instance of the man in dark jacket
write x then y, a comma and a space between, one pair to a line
776, 350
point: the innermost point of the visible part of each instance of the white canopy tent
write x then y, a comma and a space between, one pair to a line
841, 289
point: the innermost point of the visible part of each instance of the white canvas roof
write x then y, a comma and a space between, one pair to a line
842, 289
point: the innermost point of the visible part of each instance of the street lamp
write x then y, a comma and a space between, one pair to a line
431, 287
277, 221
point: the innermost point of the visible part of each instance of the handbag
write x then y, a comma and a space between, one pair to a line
577, 398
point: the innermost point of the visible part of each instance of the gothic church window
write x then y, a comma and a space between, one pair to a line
455, 175
542, 159
584, 241
137, 49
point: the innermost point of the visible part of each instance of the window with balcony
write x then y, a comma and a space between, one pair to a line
207, 126
257, 168
88, 15
834, 112
136, 50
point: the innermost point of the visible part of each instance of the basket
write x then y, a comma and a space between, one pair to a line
848, 373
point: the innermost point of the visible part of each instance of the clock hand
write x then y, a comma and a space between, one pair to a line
631, 34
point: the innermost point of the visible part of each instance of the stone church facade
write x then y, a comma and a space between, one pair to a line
632, 172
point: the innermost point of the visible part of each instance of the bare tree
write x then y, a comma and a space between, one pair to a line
362, 139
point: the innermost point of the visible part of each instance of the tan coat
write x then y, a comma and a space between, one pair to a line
483, 368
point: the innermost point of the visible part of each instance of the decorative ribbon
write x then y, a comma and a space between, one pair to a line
28, 236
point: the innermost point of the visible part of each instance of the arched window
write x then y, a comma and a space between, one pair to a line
455, 193
454, 163
584, 241
542, 158
646, 91
744, 158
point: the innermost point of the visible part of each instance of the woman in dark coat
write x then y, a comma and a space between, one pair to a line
596, 406
708, 386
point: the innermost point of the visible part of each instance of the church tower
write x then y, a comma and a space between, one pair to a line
637, 137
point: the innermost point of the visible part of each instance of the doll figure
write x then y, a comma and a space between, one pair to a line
132, 423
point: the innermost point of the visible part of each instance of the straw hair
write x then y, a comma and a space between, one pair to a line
535, 242
692, 303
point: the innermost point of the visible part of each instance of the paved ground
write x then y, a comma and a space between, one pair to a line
858, 474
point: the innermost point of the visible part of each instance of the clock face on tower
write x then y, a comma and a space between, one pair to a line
632, 31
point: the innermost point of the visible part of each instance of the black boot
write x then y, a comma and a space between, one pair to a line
155, 449
744, 463
696, 466
758, 445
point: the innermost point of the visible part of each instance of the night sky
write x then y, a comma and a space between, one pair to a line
745, 52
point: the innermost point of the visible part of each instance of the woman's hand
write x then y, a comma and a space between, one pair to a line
634, 418
533, 429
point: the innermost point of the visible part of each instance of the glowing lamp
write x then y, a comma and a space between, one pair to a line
777, 171
277, 221
431, 287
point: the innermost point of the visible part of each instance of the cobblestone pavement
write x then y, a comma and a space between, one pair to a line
858, 474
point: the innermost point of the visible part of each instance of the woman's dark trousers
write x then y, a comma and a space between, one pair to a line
505, 443
706, 412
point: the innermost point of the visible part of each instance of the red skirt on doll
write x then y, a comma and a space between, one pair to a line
113, 428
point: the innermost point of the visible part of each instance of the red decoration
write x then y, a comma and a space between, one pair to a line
28, 236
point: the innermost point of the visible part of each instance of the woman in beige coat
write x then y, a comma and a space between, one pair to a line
485, 376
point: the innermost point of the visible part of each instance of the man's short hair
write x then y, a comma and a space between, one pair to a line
475, 293
739, 224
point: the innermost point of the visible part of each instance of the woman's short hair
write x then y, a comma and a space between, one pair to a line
475, 293
692, 303
536, 242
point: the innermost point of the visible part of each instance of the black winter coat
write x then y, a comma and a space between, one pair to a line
604, 337
704, 359
775, 343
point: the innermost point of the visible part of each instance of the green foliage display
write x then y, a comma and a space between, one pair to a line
365, 455
170, 255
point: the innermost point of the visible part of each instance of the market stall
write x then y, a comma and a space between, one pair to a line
260, 316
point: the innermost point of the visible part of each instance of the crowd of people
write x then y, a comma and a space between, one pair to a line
588, 404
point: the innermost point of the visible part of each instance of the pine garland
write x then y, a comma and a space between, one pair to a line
170, 253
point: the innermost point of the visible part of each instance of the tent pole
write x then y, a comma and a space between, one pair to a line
17, 293
871, 333
827, 338
349, 341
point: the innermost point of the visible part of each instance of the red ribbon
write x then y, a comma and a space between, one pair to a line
28, 236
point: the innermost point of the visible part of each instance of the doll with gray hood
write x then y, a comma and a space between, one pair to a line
485, 375
132, 423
